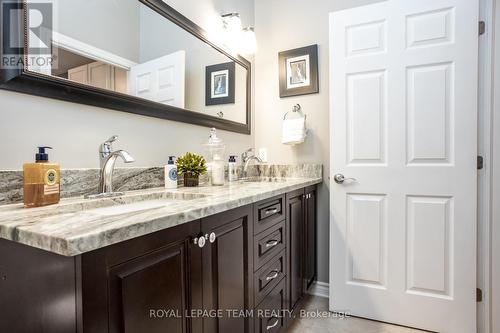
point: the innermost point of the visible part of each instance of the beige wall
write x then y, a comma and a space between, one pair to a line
75, 131
282, 25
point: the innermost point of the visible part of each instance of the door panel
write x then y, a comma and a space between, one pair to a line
79, 74
161, 80
295, 215
121, 283
366, 239
227, 270
366, 113
310, 236
404, 126
37, 290
430, 28
429, 255
154, 281
429, 113
100, 75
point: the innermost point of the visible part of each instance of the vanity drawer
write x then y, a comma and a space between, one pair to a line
266, 278
270, 316
268, 213
268, 244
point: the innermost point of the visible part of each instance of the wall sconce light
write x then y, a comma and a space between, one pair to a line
248, 41
239, 39
232, 22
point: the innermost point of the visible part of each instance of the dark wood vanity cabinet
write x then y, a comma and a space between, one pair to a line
256, 261
301, 239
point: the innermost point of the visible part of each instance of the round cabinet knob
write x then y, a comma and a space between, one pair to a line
212, 237
200, 241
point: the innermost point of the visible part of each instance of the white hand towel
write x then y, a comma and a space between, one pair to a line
294, 131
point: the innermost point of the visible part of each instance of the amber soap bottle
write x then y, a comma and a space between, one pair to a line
41, 181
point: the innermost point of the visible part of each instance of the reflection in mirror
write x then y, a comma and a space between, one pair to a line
131, 49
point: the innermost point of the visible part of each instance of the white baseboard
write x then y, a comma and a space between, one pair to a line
320, 289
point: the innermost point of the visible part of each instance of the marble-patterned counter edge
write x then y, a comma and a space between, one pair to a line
79, 182
71, 234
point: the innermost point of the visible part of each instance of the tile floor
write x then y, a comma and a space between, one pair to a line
337, 325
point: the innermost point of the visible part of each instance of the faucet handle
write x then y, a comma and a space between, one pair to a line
111, 139
246, 154
106, 146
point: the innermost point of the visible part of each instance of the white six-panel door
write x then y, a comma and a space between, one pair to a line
161, 80
403, 80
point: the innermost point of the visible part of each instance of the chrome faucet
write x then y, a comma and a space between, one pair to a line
107, 159
246, 157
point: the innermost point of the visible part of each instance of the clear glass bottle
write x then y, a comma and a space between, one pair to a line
216, 149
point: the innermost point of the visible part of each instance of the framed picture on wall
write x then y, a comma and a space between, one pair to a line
298, 71
219, 84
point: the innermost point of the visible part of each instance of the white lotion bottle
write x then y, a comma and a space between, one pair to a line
170, 174
217, 171
232, 172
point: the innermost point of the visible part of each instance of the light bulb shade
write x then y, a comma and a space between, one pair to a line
248, 41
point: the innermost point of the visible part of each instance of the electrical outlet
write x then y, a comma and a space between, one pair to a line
263, 154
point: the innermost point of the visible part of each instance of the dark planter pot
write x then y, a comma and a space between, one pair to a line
191, 180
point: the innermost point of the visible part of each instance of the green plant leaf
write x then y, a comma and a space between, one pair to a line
191, 163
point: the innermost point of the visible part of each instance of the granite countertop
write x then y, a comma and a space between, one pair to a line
77, 225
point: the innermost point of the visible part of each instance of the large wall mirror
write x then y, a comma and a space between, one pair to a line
135, 56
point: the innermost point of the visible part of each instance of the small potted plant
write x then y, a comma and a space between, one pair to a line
191, 166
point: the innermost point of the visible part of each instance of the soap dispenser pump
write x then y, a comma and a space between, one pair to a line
170, 174
41, 181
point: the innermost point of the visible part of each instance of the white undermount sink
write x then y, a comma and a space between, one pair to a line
132, 207
263, 180
147, 202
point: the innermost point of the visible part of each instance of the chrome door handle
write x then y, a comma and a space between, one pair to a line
340, 178
272, 325
271, 211
272, 243
272, 277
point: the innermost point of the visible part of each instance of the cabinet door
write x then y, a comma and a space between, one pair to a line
227, 270
79, 74
147, 284
295, 225
310, 237
121, 80
151, 292
101, 75
37, 290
